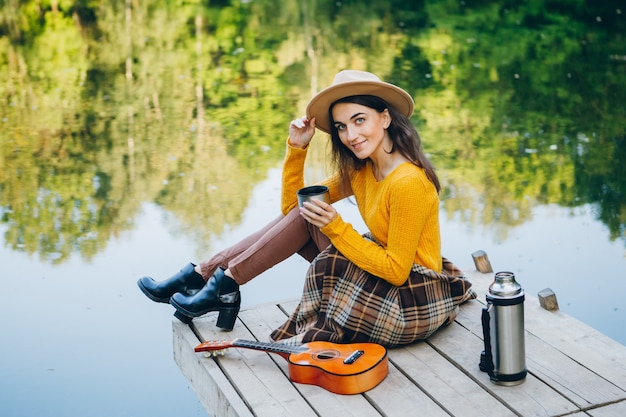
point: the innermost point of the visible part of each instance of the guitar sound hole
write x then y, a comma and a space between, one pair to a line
325, 355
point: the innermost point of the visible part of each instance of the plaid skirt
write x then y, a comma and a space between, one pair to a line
341, 303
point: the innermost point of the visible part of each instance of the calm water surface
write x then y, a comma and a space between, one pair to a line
136, 137
85, 342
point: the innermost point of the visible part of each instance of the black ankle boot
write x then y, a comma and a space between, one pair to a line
187, 279
221, 293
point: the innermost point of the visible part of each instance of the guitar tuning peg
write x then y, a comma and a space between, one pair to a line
215, 353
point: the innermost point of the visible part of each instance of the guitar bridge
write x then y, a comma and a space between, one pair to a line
354, 356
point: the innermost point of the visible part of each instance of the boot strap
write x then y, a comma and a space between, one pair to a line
229, 298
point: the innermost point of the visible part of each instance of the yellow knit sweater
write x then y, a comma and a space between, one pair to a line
401, 212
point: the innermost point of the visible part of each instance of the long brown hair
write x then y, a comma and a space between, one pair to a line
403, 135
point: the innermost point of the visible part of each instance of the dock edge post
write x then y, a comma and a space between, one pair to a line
481, 261
547, 299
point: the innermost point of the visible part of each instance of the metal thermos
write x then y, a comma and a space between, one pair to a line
504, 357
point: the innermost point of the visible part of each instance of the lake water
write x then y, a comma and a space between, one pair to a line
81, 340
139, 136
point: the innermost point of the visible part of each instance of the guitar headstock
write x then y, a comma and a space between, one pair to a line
214, 346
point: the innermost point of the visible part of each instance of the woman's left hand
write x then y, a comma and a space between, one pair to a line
318, 213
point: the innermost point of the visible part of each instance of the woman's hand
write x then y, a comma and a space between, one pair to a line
301, 132
318, 213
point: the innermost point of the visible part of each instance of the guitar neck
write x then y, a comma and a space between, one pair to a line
273, 347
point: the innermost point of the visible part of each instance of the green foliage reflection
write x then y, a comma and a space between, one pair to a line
109, 105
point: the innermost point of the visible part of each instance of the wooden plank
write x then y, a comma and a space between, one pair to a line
580, 342
256, 375
395, 394
532, 398
449, 386
583, 344
570, 378
262, 321
213, 388
535, 399
421, 387
573, 370
611, 410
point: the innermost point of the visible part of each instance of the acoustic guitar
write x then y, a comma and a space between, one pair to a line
350, 368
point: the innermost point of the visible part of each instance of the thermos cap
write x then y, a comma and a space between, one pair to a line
504, 285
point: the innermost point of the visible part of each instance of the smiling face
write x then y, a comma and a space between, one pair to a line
361, 129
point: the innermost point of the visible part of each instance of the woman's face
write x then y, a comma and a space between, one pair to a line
361, 129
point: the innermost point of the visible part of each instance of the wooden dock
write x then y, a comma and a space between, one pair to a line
573, 370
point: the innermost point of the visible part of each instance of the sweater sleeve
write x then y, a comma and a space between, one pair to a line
292, 177
397, 222
293, 180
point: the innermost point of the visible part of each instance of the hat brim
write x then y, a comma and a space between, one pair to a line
320, 103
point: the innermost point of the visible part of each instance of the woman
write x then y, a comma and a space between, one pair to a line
390, 286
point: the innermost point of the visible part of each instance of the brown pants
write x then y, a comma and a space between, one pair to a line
271, 245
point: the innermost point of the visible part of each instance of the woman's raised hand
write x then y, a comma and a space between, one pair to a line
301, 131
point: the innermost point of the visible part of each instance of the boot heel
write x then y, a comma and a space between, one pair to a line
180, 316
227, 317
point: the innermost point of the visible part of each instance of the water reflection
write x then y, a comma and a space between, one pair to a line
137, 135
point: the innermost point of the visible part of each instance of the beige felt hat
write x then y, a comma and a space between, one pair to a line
355, 83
